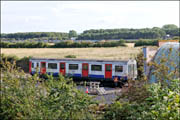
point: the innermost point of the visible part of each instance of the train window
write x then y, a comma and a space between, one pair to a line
62, 66
37, 65
108, 67
43, 65
118, 68
32, 65
96, 67
73, 66
52, 65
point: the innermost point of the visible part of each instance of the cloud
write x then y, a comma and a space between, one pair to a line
32, 19
83, 15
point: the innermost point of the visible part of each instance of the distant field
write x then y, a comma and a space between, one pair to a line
114, 53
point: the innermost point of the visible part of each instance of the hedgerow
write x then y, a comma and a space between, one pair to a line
71, 44
65, 44
23, 45
146, 43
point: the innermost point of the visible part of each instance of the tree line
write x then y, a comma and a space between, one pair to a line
99, 34
145, 33
122, 34
40, 35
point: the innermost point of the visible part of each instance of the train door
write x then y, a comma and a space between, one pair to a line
85, 68
43, 67
30, 64
62, 68
108, 70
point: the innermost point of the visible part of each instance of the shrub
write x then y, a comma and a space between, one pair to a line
140, 66
10, 58
157, 101
176, 38
4, 45
146, 43
23, 63
163, 103
24, 97
70, 56
24, 45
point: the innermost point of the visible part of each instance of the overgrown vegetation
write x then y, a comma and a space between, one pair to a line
157, 101
140, 66
24, 97
162, 103
22, 63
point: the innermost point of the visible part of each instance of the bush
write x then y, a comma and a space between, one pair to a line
163, 103
24, 45
140, 66
24, 97
4, 45
146, 43
70, 56
160, 100
23, 63
10, 58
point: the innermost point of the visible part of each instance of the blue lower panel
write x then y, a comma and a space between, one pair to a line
49, 73
76, 75
56, 74
90, 76
33, 72
96, 76
121, 77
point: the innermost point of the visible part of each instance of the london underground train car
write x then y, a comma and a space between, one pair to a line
83, 69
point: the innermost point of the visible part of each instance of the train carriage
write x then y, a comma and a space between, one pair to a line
83, 69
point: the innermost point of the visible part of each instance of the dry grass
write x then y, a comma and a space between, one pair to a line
130, 44
115, 53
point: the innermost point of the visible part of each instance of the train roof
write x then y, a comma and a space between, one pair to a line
88, 60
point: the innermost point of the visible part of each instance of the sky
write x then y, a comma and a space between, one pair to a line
62, 16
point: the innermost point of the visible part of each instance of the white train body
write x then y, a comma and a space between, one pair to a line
80, 68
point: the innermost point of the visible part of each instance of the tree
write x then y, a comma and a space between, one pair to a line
171, 29
169, 26
72, 33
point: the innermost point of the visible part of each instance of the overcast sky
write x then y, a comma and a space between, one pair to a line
61, 16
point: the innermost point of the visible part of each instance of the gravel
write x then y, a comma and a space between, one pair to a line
105, 99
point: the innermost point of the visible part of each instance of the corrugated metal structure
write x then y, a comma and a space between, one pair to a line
171, 52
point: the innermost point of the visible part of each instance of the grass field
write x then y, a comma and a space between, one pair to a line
114, 53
